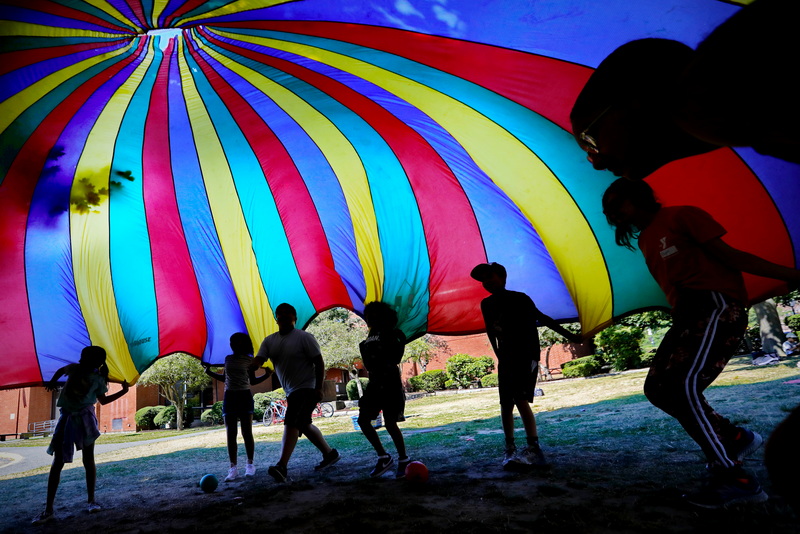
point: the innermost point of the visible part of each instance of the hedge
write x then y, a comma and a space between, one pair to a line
145, 417
489, 381
586, 366
428, 381
352, 388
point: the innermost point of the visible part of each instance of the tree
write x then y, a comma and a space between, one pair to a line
548, 338
423, 349
176, 375
464, 369
621, 346
766, 315
338, 332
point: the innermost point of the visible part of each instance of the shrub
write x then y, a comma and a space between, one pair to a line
207, 418
144, 417
489, 381
213, 416
169, 415
463, 369
621, 347
753, 335
792, 321
586, 366
352, 388
429, 381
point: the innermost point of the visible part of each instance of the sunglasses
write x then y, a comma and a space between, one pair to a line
588, 140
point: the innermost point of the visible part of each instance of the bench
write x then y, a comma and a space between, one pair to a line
39, 429
4, 436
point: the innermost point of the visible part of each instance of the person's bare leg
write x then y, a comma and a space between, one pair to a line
397, 437
289, 442
372, 436
231, 432
315, 436
54, 478
528, 420
247, 436
507, 419
91, 471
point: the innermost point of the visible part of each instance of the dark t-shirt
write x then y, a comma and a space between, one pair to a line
381, 352
510, 318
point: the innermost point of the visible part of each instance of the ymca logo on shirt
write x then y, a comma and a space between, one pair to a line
666, 251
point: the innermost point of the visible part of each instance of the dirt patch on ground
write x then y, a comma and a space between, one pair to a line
592, 493
616, 467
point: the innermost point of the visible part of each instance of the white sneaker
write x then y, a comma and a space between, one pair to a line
250, 470
233, 474
766, 359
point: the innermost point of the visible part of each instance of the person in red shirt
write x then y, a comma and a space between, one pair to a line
702, 277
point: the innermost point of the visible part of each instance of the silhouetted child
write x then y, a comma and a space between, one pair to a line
237, 404
701, 276
511, 324
381, 353
87, 383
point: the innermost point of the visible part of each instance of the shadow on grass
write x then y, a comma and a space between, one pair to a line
617, 466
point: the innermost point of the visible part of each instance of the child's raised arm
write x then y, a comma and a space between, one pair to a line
212, 374
750, 263
52, 385
102, 398
257, 380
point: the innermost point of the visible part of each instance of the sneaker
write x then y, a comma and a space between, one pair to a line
328, 460
401, 467
746, 443
93, 507
249, 470
766, 359
278, 472
511, 460
532, 456
233, 474
42, 518
725, 490
383, 465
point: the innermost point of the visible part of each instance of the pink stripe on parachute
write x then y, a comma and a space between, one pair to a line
181, 319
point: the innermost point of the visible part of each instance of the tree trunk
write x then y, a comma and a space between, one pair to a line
546, 370
354, 374
769, 325
179, 415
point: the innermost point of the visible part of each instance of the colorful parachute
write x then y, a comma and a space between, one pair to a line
172, 170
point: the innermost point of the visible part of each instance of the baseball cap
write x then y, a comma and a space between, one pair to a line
485, 270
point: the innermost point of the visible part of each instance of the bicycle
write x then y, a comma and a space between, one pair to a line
276, 411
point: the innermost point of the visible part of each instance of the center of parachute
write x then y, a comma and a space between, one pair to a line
164, 35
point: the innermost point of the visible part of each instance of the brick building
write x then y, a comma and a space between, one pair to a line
21, 407
478, 345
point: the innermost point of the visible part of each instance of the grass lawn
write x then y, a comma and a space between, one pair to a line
618, 465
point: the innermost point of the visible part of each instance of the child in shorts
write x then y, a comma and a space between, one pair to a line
87, 383
381, 353
511, 324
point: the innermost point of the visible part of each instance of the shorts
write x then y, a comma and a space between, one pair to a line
517, 381
389, 398
300, 405
237, 403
